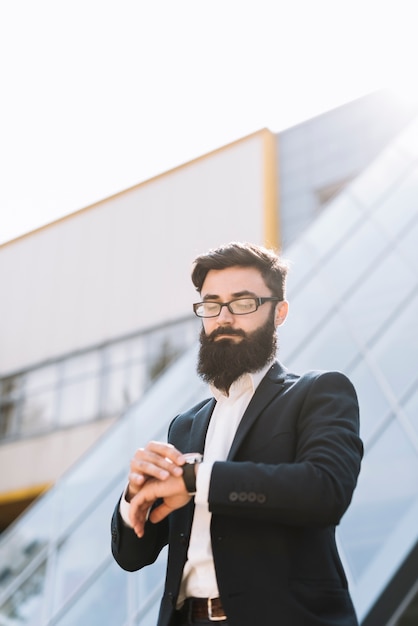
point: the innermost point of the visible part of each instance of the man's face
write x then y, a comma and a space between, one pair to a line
234, 344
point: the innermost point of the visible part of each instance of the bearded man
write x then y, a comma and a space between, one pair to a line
252, 482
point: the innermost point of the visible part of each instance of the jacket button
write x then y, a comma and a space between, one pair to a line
261, 498
252, 496
242, 496
233, 496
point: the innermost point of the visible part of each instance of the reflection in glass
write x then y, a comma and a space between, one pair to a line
374, 406
411, 408
38, 412
25, 605
399, 345
329, 347
400, 207
82, 552
79, 401
41, 378
340, 272
103, 602
386, 490
330, 229
374, 305
82, 365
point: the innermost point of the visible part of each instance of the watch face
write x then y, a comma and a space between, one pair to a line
193, 457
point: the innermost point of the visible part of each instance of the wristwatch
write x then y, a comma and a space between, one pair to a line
189, 475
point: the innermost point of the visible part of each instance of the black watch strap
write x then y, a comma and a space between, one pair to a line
189, 474
189, 477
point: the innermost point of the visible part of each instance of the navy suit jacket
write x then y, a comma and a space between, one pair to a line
288, 479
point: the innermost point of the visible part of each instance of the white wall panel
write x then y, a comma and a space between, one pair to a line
124, 263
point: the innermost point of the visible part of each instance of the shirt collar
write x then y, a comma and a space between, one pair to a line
247, 382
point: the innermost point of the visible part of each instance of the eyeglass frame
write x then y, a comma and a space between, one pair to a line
258, 302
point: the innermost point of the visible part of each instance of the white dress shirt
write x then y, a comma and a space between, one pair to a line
199, 579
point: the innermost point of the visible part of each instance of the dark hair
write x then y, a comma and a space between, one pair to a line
271, 266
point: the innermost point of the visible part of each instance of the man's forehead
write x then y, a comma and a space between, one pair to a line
233, 280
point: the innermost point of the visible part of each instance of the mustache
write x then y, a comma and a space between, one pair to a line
225, 331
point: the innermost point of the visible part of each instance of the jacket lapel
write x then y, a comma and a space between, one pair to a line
271, 385
200, 426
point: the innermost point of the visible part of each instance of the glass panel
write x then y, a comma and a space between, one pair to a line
9, 412
408, 140
399, 344
376, 301
24, 607
10, 385
41, 378
340, 271
333, 225
379, 178
38, 412
400, 208
83, 550
386, 490
104, 602
116, 391
408, 245
308, 310
330, 347
411, 408
374, 406
76, 366
117, 353
79, 401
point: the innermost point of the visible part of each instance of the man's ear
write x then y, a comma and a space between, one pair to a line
282, 309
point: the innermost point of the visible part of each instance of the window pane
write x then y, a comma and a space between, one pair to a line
400, 208
399, 344
376, 301
81, 365
331, 347
25, 605
83, 550
38, 412
340, 272
41, 378
374, 406
386, 490
411, 408
105, 599
79, 401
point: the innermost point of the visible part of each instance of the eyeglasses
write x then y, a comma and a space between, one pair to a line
241, 306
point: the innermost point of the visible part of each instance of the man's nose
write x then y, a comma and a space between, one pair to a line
225, 316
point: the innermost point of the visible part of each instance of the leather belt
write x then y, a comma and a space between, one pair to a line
209, 609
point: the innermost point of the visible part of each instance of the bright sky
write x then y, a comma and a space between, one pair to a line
99, 95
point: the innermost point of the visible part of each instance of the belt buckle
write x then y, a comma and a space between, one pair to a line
211, 617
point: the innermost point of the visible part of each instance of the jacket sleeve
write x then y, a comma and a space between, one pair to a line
313, 477
131, 552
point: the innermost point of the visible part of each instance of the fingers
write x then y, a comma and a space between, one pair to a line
157, 460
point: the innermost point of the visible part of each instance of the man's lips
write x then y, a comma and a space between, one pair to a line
226, 334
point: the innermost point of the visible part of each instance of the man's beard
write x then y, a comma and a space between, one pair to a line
222, 362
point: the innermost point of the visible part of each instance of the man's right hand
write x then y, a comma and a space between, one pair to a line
157, 460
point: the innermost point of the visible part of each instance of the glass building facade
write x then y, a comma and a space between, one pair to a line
353, 292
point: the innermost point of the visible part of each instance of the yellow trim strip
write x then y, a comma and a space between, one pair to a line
272, 233
28, 493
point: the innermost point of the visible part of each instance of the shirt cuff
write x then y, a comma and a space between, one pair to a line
202, 483
124, 508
